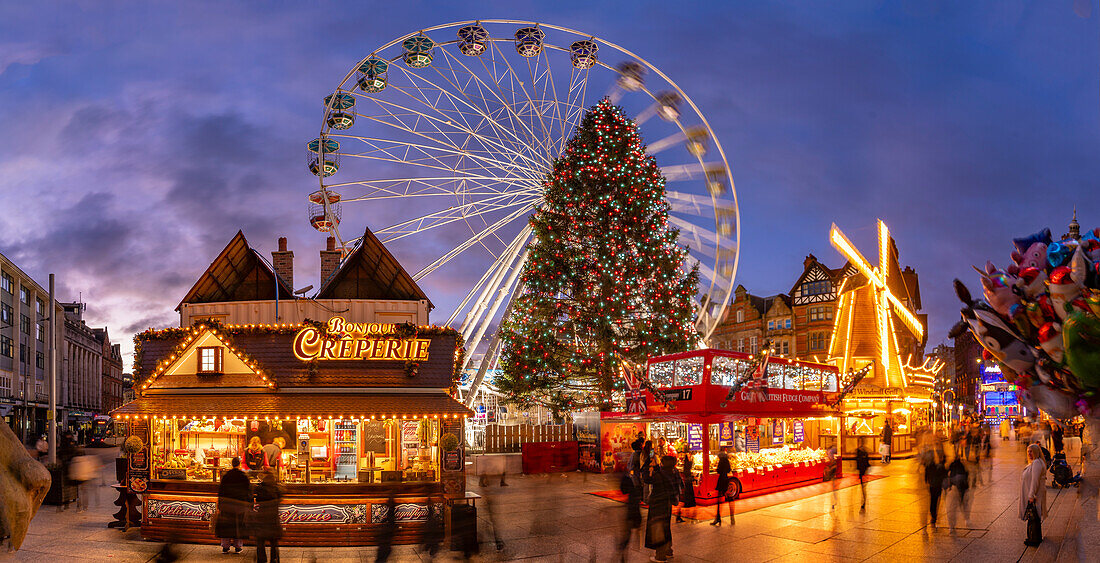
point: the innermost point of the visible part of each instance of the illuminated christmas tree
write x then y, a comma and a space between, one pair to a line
604, 278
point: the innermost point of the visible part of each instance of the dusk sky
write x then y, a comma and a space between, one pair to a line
137, 138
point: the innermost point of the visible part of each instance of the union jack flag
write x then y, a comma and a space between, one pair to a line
635, 393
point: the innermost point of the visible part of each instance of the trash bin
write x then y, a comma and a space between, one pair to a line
464, 528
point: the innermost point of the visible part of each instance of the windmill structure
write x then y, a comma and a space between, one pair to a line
875, 325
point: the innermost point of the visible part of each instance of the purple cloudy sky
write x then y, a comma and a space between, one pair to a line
136, 138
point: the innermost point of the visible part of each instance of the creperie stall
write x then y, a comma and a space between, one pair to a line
768, 426
361, 414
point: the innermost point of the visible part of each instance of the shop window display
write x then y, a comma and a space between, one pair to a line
314, 450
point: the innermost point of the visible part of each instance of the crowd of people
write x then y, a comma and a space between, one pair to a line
246, 510
652, 478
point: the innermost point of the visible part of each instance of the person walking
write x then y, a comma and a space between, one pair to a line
934, 473
832, 472
887, 441
664, 494
649, 462
266, 527
1033, 495
234, 501
687, 480
1058, 437
83, 469
958, 481
722, 486
863, 463
630, 485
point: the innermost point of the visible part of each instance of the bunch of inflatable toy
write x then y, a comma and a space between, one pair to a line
1041, 321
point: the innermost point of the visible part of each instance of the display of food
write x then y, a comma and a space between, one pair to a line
784, 455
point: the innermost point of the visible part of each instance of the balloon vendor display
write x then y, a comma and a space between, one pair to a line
1040, 320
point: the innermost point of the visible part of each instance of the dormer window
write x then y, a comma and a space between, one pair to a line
210, 359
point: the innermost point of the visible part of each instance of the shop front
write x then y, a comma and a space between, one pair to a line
769, 430
360, 417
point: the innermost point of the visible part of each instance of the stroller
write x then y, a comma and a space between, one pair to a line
1063, 473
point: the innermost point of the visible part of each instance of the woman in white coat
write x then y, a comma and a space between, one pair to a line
1033, 484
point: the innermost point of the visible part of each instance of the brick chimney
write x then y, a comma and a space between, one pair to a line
283, 260
330, 259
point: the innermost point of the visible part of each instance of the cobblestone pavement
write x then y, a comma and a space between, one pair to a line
552, 518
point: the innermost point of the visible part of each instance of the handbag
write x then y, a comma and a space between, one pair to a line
1034, 525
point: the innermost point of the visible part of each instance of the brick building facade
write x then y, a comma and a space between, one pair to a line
799, 322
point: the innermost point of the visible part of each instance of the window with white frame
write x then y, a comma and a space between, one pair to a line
771, 325
7, 284
740, 344
740, 316
787, 323
752, 344
817, 341
210, 359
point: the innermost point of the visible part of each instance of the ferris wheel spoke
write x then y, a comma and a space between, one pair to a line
467, 102
477, 237
448, 144
456, 213
490, 276
431, 153
427, 186
503, 100
491, 284
511, 102
486, 111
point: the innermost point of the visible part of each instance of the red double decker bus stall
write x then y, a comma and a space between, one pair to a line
768, 426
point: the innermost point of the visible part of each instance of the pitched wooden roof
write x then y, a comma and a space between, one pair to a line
274, 352
239, 273
371, 272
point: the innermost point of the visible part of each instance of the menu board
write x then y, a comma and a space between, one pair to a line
752, 438
374, 437
695, 437
138, 463
799, 431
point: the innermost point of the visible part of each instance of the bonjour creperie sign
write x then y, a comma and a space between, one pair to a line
357, 341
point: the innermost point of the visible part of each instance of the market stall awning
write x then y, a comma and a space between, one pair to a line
381, 405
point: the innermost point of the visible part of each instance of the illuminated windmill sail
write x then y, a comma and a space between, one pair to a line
864, 330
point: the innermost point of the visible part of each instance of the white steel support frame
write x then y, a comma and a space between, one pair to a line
468, 142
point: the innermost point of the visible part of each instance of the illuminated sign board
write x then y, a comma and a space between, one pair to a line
357, 341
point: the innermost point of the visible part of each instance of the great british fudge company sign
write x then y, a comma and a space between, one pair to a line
343, 340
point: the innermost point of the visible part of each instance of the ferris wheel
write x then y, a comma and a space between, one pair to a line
450, 132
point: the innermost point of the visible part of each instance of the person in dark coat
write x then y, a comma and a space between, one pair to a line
863, 463
234, 501
266, 527
631, 485
664, 493
934, 474
722, 486
958, 481
687, 486
1058, 437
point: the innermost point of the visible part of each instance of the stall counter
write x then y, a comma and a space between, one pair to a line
333, 514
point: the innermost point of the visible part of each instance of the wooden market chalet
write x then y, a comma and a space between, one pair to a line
352, 385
